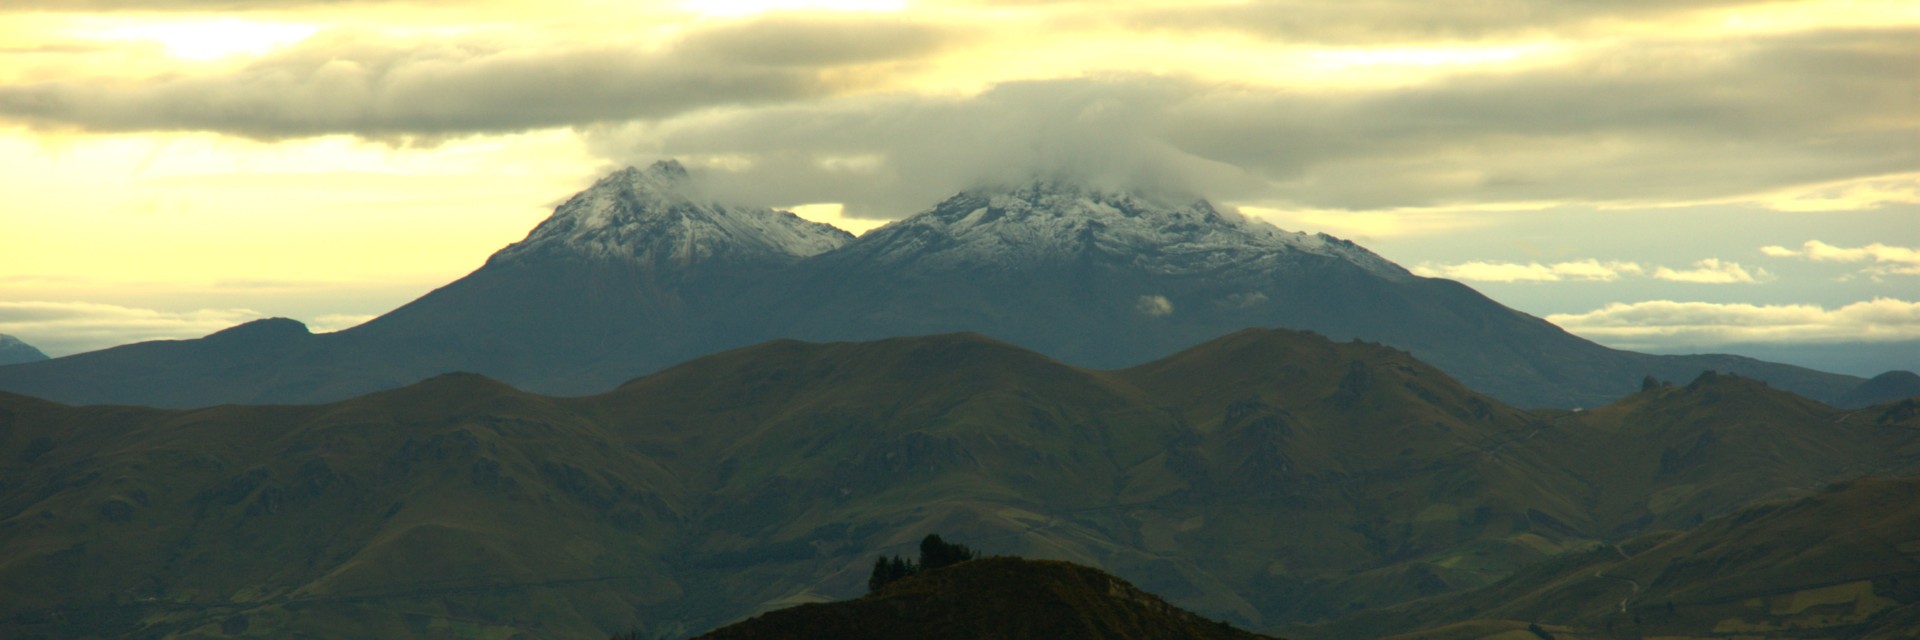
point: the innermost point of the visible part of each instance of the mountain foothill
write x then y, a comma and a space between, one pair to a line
671, 415
1265, 478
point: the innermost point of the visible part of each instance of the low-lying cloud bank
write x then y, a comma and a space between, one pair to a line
1886, 260
1707, 271
1666, 324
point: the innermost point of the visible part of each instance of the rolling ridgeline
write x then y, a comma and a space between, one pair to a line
1270, 478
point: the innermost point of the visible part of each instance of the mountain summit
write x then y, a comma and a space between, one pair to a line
652, 216
14, 350
1054, 221
641, 271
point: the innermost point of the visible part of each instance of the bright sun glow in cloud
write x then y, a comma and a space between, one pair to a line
833, 213
741, 8
205, 39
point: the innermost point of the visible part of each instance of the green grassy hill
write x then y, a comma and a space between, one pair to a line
1844, 563
1264, 478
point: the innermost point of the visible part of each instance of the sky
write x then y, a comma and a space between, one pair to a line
1669, 176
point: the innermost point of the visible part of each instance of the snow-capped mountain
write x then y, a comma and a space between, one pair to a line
1050, 221
653, 216
640, 272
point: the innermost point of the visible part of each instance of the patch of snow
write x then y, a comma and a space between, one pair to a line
652, 215
1050, 220
655, 216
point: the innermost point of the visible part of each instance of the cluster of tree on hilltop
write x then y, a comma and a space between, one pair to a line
934, 553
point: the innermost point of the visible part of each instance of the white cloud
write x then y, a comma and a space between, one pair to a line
1778, 251
1889, 260
61, 328
1666, 323
1241, 300
1482, 271
338, 321
1155, 306
1713, 271
1849, 195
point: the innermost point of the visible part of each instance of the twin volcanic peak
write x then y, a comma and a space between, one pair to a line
642, 271
654, 216
657, 216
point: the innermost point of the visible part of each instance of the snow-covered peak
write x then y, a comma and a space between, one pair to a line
1054, 221
656, 216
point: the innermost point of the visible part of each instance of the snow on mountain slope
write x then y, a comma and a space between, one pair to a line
653, 216
1051, 221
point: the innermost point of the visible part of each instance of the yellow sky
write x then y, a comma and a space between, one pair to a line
368, 146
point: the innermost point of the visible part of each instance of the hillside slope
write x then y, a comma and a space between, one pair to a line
1266, 477
1842, 563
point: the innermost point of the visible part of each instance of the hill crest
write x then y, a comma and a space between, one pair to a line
1008, 598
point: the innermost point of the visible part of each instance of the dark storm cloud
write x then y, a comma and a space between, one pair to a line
1660, 123
1685, 121
355, 84
1372, 21
374, 90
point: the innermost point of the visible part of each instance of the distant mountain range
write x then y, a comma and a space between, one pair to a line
639, 272
14, 351
1268, 477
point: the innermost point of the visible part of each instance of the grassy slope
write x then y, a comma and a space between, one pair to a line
1265, 477
1841, 563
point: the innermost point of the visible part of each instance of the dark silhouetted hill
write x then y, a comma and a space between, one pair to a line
1009, 598
1886, 387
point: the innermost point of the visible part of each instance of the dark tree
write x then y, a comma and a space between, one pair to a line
886, 570
1649, 383
936, 553
881, 574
